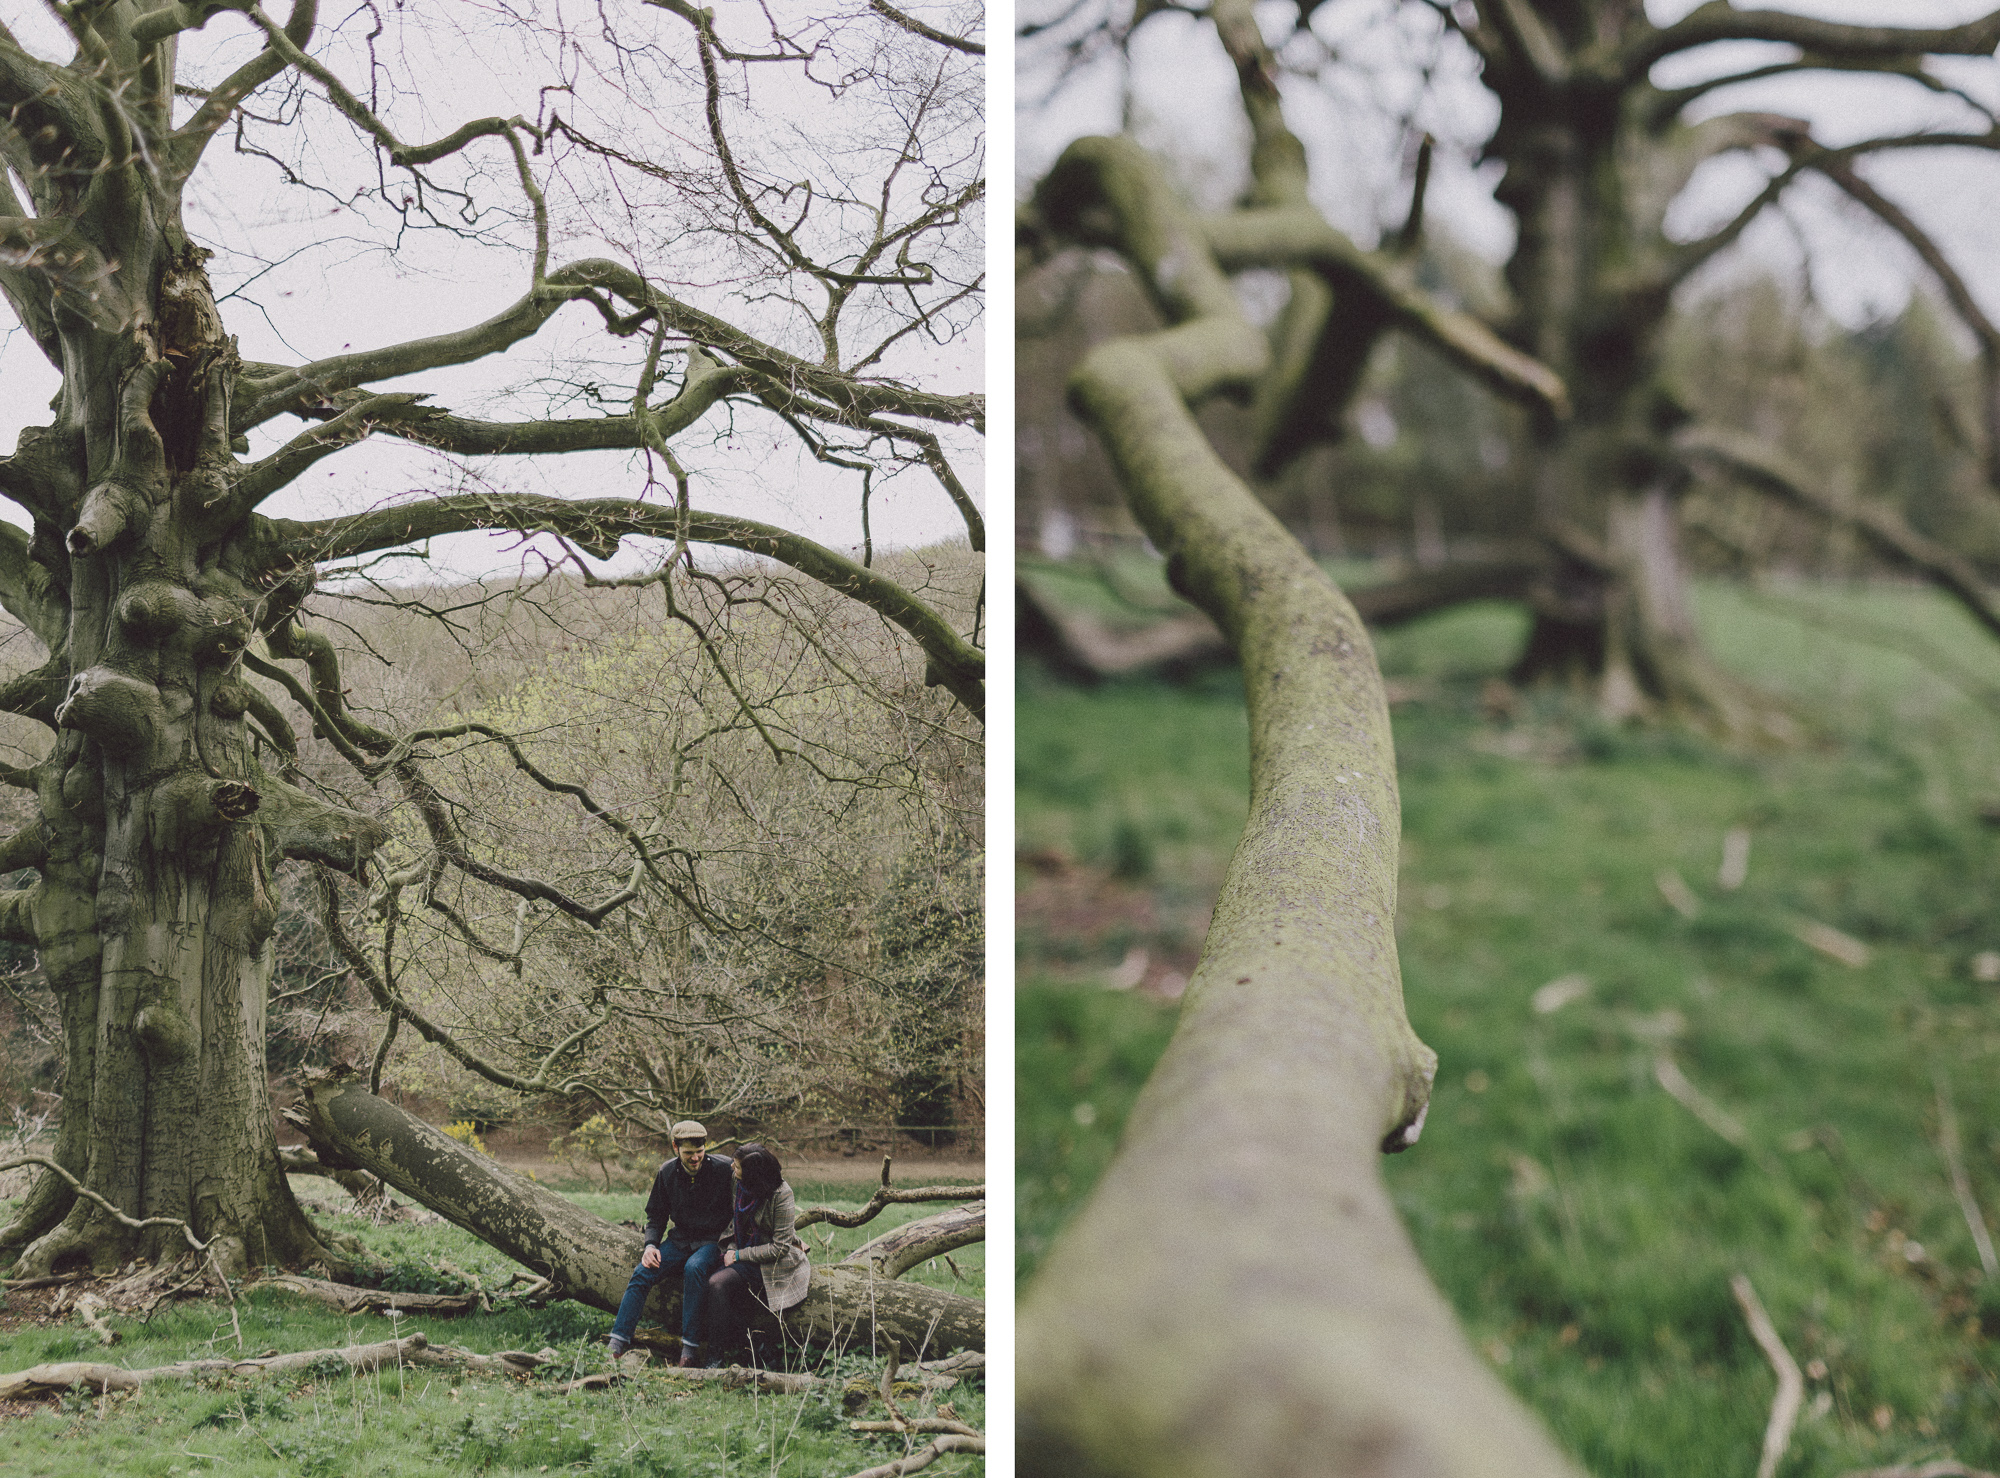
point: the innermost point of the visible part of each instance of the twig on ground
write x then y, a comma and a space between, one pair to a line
924, 1456
1961, 1184
1942, 1468
92, 1309
1832, 943
1673, 887
1667, 1073
1791, 1381
918, 1424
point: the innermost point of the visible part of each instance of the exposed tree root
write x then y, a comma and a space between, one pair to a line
77, 1187
47, 1203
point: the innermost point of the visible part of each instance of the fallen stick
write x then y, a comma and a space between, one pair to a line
1961, 1184
1667, 1073
92, 1309
726, 1376
1832, 943
934, 1375
1791, 1382
1942, 1468
352, 1300
924, 1456
51, 1379
917, 1424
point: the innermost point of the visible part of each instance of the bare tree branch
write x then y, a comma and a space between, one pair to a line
917, 28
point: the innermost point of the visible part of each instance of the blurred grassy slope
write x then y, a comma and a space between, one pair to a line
1583, 1221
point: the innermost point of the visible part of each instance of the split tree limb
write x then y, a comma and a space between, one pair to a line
913, 1243
888, 1195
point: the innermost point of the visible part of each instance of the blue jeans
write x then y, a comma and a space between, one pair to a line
692, 1262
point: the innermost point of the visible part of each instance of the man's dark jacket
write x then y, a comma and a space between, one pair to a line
700, 1207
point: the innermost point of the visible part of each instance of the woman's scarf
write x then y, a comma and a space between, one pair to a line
748, 1233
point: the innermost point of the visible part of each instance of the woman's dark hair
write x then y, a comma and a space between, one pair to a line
761, 1170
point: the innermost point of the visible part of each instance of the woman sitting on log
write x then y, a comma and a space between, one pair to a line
764, 1262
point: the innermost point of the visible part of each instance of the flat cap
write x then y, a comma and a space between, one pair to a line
688, 1129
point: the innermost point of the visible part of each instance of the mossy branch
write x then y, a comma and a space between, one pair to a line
1294, 1063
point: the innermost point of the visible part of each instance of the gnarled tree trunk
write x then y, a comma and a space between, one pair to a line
146, 577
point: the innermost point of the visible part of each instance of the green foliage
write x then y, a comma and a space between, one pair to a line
329, 1422
1583, 1221
407, 1275
785, 796
252, 1404
930, 924
596, 1140
1081, 1057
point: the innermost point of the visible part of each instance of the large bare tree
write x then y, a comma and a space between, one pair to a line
1597, 160
772, 213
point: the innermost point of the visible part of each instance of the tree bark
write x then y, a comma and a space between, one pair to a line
154, 913
589, 1259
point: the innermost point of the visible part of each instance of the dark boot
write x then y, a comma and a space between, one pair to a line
690, 1356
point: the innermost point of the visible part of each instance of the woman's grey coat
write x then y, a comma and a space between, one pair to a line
781, 1257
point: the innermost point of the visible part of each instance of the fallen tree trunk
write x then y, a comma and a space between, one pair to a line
585, 1257
46, 1380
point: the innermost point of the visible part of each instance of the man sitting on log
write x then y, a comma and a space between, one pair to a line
694, 1192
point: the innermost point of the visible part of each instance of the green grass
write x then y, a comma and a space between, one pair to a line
1584, 1223
421, 1419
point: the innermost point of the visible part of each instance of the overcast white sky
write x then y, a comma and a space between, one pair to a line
1184, 89
320, 275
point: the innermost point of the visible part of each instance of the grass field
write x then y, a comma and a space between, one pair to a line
1583, 1220
331, 1424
